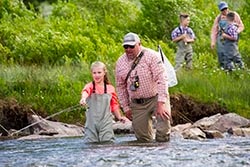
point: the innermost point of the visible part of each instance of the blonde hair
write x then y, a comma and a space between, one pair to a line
103, 66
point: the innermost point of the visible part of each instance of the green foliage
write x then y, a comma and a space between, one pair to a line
89, 30
68, 33
50, 47
160, 17
12, 9
45, 88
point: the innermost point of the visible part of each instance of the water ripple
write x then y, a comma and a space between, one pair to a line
230, 151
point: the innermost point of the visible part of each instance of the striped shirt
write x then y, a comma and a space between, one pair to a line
152, 78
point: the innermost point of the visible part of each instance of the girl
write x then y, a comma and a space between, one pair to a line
101, 99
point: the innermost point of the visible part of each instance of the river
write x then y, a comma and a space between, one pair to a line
60, 152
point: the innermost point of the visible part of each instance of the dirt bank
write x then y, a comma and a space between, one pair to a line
184, 109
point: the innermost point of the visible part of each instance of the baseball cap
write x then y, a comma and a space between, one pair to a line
130, 39
222, 5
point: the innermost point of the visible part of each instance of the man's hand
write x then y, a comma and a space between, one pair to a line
162, 111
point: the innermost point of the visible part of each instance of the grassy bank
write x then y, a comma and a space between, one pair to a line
50, 49
47, 89
230, 90
52, 89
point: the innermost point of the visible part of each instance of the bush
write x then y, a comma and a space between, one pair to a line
50, 52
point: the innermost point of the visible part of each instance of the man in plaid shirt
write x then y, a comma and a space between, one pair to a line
143, 92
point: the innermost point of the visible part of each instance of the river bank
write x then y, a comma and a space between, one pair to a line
15, 116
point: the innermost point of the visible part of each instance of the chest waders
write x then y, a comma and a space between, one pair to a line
232, 55
230, 52
220, 43
99, 121
184, 53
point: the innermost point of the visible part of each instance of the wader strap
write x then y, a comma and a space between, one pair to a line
105, 87
180, 29
93, 86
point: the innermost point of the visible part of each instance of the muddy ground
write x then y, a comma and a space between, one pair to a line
184, 109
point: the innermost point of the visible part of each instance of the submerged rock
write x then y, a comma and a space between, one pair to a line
244, 132
230, 120
43, 128
193, 133
215, 126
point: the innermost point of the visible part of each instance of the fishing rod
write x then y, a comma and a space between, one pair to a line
185, 118
48, 117
4, 129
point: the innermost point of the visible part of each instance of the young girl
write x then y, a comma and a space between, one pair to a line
101, 99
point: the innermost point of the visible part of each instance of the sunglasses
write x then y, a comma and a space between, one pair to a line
129, 46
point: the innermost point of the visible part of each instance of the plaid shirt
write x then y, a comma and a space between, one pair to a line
215, 28
152, 78
178, 31
232, 31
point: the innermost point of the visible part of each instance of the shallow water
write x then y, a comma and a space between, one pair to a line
226, 152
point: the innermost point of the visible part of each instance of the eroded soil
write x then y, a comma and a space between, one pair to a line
184, 109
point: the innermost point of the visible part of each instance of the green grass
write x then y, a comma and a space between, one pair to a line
230, 90
85, 31
47, 89
52, 89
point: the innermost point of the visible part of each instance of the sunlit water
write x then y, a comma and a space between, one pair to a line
226, 152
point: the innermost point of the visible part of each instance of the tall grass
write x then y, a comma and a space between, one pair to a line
50, 54
46, 89
230, 90
52, 89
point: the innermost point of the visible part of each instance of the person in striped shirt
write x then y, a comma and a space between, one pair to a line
143, 90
